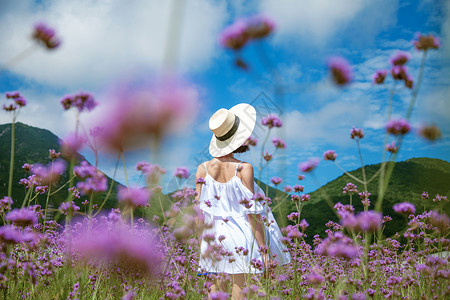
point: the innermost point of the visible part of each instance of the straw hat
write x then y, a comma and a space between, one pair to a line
231, 128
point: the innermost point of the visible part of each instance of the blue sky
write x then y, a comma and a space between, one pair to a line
103, 41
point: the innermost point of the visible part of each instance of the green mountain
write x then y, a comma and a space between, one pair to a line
409, 180
32, 146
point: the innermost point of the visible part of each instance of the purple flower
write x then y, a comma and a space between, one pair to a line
71, 145
350, 189
314, 278
133, 197
309, 165
439, 198
295, 198
276, 180
259, 26
425, 42
22, 217
5, 203
366, 221
303, 224
356, 132
182, 172
271, 121
50, 173
341, 70
330, 155
251, 141
68, 207
399, 72
200, 180
430, 132
267, 156
27, 167
219, 295
379, 76
287, 188
293, 215
400, 58
141, 112
391, 147
305, 197
118, 247
424, 196
82, 101
53, 154
399, 126
298, 188
46, 35
234, 36
94, 180
301, 177
440, 221
10, 235
279, 143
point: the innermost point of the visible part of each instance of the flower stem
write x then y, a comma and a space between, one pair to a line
11, 163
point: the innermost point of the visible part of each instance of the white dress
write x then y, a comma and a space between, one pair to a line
220, 203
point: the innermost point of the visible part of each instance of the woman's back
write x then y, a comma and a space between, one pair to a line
224, 192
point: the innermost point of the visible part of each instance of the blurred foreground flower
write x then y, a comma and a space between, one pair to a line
341, 70
50, 173
22, 217
82, 101
430, 132
398, 127
133, 197
425, 42
46, 35
141, 112
404, 208
116, 246
309, 165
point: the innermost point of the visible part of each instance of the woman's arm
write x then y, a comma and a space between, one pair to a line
255, 221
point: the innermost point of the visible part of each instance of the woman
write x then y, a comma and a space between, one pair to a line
226, 197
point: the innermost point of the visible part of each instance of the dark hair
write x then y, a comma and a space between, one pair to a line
242, 149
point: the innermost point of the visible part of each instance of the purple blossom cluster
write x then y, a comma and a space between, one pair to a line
46, 36
341, 71
133, 197
18, 101
82, 102
271, 121
94, 180
242, 31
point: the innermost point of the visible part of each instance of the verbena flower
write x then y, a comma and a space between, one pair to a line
49, 174
68, 207
46, 36
5, 203
259, 26
133, 197
251, 141
309, 165
398, 127
356, 133
305, 197
440, 221
366, 221
94, 180
267, 156
279, 143
329, 155
298, 188
301, 177
341, 70
287, 188
379, 77
440, 198
140, 113
22, 217
81, 101
271, 121
276, 180
71, 144
392, 148
235, 35
399, 72
350, 189
118, 247
182, 172
52, 154
430, 132
400, 58
425, 42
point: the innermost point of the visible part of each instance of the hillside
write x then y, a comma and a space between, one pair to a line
31, 146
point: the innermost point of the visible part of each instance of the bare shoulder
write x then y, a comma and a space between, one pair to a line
201, 170
246, 169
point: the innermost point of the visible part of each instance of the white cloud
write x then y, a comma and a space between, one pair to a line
102, 39
320, 21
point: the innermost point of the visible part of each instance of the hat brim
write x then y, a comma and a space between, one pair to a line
247, 121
